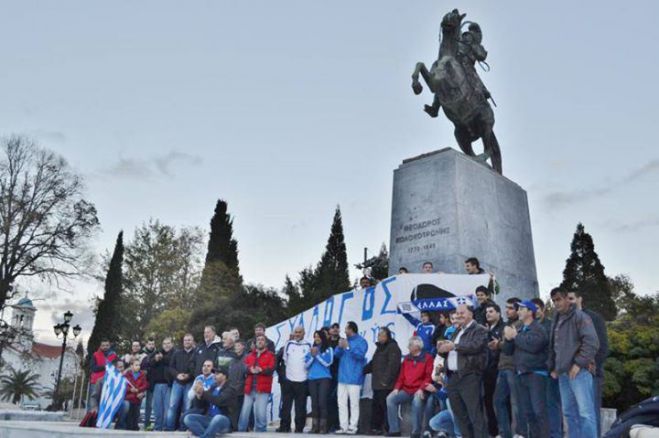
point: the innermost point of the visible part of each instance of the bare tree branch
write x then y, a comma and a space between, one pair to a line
44, 220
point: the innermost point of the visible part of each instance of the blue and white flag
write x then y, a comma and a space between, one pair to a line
114, 391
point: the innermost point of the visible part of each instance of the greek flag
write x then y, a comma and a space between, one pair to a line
112, 396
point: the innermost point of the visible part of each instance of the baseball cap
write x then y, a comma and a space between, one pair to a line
529, 305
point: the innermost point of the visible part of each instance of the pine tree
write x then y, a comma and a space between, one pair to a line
329, 277
292, 293
107, 312
332, 271
584, 273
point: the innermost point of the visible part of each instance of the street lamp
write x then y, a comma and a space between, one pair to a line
63, 329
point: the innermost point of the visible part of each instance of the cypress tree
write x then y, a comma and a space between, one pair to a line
585, 273
108, 320
220, 287
222, 247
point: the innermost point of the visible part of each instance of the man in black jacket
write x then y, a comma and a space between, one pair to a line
384, 367
602, 352
484, 298
159, 379
529, 349
207, 349
181, 373
494, 334
466, 357
216, 404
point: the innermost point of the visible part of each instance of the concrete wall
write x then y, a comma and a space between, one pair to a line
447, 207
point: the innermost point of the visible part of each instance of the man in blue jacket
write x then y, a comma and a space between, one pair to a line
351, 354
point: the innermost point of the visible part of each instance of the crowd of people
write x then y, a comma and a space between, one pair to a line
472, 372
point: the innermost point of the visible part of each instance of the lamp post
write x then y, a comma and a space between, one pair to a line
63, 329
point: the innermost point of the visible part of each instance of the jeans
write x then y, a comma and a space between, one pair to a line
398, 399
443, 422
148, 404
431, 406
204, 426
294, 392
531, 389
178, 398
349, 394
259, 402
379, 410
554, 409
160, 404
598, 384
319, 391
578, 404
505, 396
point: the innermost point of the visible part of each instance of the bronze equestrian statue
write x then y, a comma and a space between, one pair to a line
458, 89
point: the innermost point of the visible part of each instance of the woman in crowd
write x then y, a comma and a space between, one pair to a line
318, 362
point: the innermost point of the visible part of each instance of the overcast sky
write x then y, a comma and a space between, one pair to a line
288, 108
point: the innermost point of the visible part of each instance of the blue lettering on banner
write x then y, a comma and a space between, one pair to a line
344, 297
391, 326
374, 333
327, 316
313, 317
294, 324
367, 310
387, 298
278, 328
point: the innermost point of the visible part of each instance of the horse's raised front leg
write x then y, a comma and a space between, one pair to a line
416, 85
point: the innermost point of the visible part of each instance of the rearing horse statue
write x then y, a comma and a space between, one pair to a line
458, 89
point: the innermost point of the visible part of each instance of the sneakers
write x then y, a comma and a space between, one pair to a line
352, 432
427, 434
341, 432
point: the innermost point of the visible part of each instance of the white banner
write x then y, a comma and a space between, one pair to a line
379, 306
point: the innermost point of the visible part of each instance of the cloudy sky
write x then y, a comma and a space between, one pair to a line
288, 108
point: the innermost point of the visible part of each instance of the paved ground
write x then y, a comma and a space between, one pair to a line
27, 429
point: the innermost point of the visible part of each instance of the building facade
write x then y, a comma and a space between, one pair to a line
42, 359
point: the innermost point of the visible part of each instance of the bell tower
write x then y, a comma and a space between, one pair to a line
22, 320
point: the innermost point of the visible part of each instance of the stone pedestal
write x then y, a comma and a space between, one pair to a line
448, 207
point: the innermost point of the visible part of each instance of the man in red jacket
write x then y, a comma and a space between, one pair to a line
260, 364
100, 358
414, 379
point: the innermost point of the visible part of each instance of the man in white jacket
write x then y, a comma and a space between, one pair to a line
295, 352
